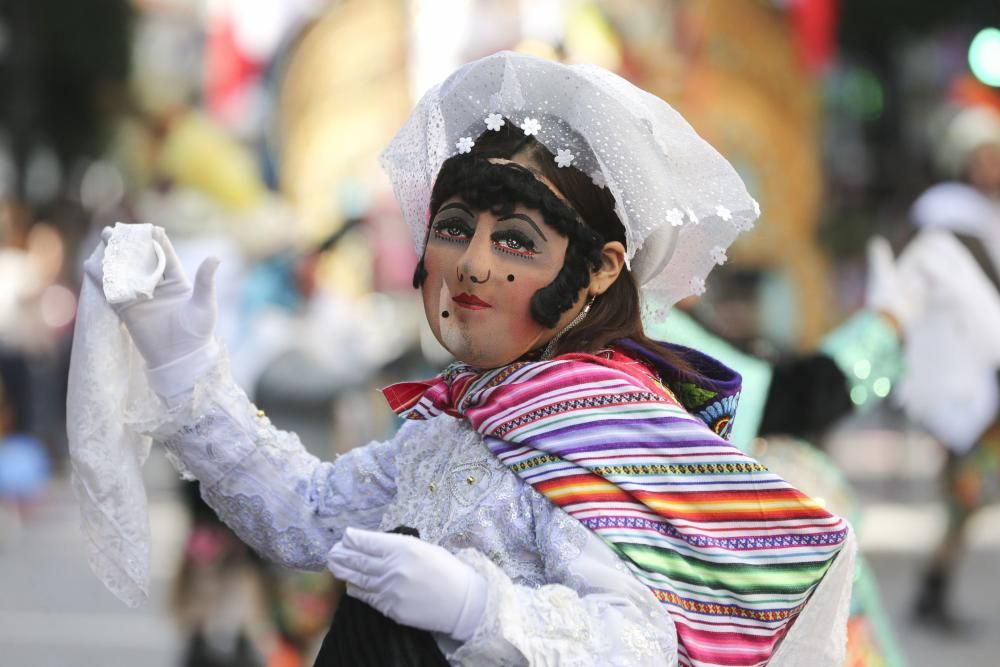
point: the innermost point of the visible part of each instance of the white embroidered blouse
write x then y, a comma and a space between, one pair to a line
557, 594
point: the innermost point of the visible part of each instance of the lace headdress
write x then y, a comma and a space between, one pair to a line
682, 204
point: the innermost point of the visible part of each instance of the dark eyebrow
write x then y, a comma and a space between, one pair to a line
455, 204
521, 216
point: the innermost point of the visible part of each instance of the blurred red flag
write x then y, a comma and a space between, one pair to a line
229, 72
814, 26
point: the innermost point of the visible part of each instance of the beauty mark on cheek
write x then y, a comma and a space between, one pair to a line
510, 277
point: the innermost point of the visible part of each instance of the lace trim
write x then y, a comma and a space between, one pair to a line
561, 538
250, 519
552, 626
107, 405
133, 263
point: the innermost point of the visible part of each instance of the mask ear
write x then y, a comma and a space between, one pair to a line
652, 257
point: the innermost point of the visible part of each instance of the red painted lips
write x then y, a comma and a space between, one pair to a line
470, 302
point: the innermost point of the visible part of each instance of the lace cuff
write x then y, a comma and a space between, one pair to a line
208, 430
107, 402
554, 626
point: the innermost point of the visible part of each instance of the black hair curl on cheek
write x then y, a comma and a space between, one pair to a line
419, 274
582, 257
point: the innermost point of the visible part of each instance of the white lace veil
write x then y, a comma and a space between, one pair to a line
666, 180
109, 405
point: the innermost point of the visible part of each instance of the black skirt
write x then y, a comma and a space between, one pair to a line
361, 636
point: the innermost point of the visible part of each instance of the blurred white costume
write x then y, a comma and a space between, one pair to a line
953, 345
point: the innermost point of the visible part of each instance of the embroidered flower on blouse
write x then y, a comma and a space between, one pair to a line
691, 216
564, 158
697, 286
756, 207
719, 415
639, 644
494, 122
723, 212
464, 145
675, 217
744, 224
718, 255
531, 126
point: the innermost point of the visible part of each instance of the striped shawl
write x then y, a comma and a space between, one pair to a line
633, 451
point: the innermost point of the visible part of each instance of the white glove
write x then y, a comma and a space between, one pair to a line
173, 330
890, 290
411, 581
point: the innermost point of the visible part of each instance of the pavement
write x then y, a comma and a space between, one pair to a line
55, 613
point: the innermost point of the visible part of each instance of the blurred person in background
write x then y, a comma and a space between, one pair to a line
24, 461
63, 79
952, 357
513, 173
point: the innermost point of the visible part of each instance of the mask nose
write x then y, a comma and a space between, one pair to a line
474, 265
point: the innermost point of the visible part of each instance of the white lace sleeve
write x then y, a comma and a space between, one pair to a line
280, 499
592, 611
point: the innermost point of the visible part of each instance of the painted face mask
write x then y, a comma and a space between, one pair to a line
503, 264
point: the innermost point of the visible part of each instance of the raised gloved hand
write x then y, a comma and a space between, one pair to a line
411, 581
890, 290
172, 330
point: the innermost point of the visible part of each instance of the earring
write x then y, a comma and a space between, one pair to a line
550, 348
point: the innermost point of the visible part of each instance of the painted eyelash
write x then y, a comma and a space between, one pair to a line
450, 239
516, 253
439, 227
528, 252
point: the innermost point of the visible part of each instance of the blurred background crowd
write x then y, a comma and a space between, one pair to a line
250, 130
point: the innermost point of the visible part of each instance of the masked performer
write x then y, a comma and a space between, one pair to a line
575, 497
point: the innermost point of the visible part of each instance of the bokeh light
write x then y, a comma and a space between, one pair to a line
984, 56
57, 306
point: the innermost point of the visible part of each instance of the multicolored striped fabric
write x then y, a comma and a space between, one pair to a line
730, 549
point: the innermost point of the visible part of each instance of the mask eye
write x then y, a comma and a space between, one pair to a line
514, 242
452, 229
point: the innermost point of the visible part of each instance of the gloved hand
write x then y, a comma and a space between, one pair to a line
173, 327
411, 581
890, 290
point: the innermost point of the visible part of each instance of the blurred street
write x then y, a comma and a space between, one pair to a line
977, 594
54, 612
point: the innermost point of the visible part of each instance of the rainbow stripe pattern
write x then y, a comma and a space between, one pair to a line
731, 550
